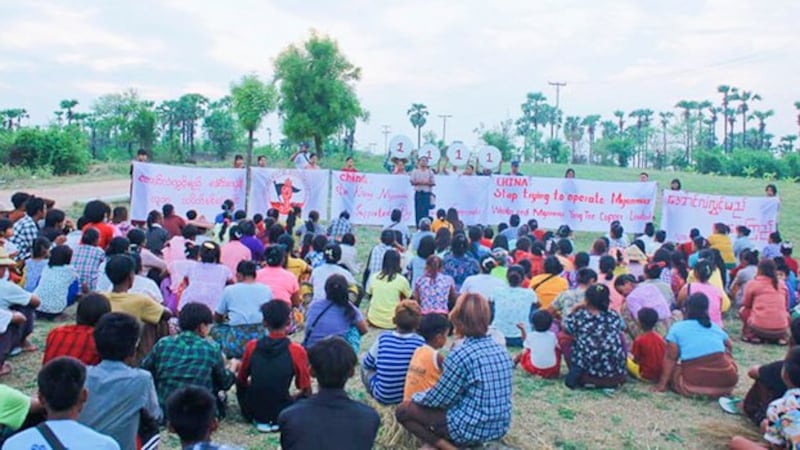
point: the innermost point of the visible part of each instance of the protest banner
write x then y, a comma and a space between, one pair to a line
284, 189
681, 211
203, 190
467, 194
370, 198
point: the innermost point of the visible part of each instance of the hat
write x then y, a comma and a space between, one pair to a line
5, 260
634, 253
515, 163
202, 223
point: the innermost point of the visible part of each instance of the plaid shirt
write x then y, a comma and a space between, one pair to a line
338, 228
25, 232
184, 359
475, 389
86, 261
72, 340
376, 258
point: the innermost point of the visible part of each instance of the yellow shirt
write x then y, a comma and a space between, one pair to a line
384, 296
441, 223
723, 243
140, 306
423, 371
298, 267
716, 281
547, 291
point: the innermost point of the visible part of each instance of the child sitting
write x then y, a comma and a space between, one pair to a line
36, 264
87, 259
78, 340
384, 367
268, 367
119, 219
647, 354
541, 355
58, 287
425, 367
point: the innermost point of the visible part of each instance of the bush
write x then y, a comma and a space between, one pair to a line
710, 161
64, 150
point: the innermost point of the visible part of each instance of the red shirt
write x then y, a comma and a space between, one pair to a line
106, 233
72, 340
302, 375
537, 262
345, 169
791, 263
538, 234
486, 242
648, 351
174, 224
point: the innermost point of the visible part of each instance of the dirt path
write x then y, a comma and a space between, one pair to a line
67, 194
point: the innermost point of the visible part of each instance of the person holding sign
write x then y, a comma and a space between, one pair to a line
423, 181
301, 157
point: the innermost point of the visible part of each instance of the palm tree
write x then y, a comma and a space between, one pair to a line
797, 105
787, 143
762, 116
743, 97
417, 116
68, 106
590, 122
725, 91
687, 106
573, 131
731, 113
712, 123
59, 117
609, 129
665, 117
532, 117
701, 119
620, 115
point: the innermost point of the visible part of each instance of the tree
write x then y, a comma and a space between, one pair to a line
725, 91
797, 106
787, 144
220, 127
573, 131
500, 136
532, 117
743, 97
252, 100
417, 116
590, 122
317, 92
687, 106
190, 109
68, 106
664, 119
620, 115
762, 117
609, 129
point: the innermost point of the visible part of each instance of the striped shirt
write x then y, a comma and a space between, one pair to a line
389, 357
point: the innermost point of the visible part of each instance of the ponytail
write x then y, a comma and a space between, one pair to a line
697, 309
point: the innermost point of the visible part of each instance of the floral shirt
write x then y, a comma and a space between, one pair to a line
460, 268
783, 417
598, 348
434, 293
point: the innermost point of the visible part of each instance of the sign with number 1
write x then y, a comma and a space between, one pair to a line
458, 154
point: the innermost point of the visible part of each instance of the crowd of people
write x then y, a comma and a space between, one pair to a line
174, 313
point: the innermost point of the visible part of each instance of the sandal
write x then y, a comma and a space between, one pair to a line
5, 369
730, 405
751, 340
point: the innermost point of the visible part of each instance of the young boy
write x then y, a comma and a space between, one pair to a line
541, 355
268, 367
16, 323
330, 418
425, 367
87, 259
192, 415
120, 395
188, 358
78, 340
62, 392
647, 354
384, 367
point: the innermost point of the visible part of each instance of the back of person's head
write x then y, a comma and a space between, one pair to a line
648, 318
452, 216
332, 253
168, 209
622, 280
118, 246
563, 231
191, 413
427, 247
332, 361
743, 230
523, 244
274, 255
474, 233
407, 315
319, 242
649, 229
61, 384
586, 276
768, 268
502, 226
210, 252
598, 296
193, 315
697, 309
337, 290
775, 237
119, 268
246, 269
433, 325
515, 275
653, 270
459, 245
191, 214
581, 260
514, 220
90, 237
441, 214
40, 247
542, 320
116, 336
396, 215
54, 217
703, 270
471, 315
526, 266
433, 265
488, 263
60, 255
387, 237
119, 213
276, 314
5, 224
96, 211
660, 236
616, 231
18, 199
443, 239
552, 265
391, 266
488, 233
607, 265
91, 308
34, 205
190, 232
153, 217
500, 241
136, 237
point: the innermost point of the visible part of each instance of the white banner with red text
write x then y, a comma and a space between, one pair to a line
371, 197
681, 211
284, 189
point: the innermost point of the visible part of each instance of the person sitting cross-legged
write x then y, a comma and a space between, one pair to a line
188, 358
192, 415
62, 391
78, 340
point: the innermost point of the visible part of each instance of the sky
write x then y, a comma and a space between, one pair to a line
474, 60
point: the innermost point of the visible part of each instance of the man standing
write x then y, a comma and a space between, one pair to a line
261, 161
515, 169
301, 158
422, 179
349, 165
238, 162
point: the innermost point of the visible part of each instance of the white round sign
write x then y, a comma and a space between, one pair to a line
401, 147
490, 157
430, 151
458, 154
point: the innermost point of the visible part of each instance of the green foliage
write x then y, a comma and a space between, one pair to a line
64, 151
221, 128
252, 100
502, 137
556, 151
615, 151
709, 161
316, 83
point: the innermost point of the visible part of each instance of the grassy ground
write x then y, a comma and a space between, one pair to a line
545, 413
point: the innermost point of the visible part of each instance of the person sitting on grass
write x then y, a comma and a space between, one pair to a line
20, 306
386, 288
188, 358
78, 340
781, 425
62, 391
425, 367
764, 305
332, 416
19, 411
87, 259
384, 367
471, 402
512, 305
192, 415
698, 359
647, 354
267, 369
12, 324
335, 315
59, 286
541, 355
238, 315
121, 397
36, 263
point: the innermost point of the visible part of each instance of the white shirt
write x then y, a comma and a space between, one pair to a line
71, 433
141, 285
350, 258
483, 284
301, 161
542, 345
321, 274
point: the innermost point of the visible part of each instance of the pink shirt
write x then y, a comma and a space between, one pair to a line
714, 300
282, 282
766, 304
233, 253
616, 298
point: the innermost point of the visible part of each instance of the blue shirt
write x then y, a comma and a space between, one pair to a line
389, 358
694, 340
333, 322
71, 433
242, 303
512, 305
475, 389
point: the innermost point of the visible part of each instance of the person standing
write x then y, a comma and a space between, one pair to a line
423, 181
301, 158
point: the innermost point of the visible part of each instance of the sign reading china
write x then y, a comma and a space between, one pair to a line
370, 198
285, 189
202, 190
681, 211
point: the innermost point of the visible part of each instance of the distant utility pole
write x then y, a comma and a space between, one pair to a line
386, 131
444, 118
558, 86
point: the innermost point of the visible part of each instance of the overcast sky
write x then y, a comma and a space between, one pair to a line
474, 60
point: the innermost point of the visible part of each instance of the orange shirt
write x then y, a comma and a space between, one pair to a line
423, 371
767, 305
106, 233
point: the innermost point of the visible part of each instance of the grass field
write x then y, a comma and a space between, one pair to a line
545, 413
